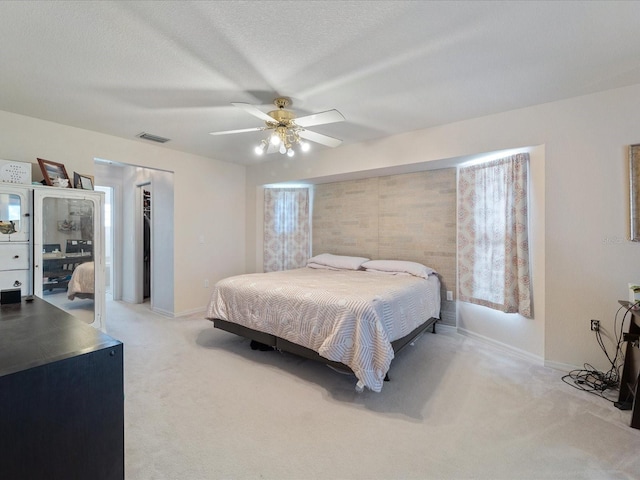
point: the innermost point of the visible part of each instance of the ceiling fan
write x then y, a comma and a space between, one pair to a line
287, 129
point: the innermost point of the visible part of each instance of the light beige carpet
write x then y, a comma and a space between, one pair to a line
81, 308
200, 404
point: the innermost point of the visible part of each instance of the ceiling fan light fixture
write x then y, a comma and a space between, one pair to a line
260, 149
288, 130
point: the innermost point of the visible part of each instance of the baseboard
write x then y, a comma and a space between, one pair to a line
187, 313
563, 367
447, 328
503, 346
164, 313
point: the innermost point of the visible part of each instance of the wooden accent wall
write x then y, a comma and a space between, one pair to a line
398, 217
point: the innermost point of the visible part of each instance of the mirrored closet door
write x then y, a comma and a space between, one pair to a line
68, 251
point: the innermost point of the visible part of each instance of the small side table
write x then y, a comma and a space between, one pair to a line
628, 397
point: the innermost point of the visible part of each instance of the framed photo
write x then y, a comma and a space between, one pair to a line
54, 173
67, 226
84, 182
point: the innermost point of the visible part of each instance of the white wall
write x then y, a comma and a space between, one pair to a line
587, 259
209, 196
113, 177
131, 272
163, 222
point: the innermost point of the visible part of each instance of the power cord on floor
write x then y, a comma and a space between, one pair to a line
591, 380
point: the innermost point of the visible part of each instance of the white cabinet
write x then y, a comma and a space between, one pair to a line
46, 234
15, 245
15, 279
68, 255
15, 256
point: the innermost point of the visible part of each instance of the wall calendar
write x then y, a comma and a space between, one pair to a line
15, 172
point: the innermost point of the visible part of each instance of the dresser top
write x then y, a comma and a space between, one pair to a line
36, 333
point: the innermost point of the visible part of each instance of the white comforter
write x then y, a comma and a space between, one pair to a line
82, 283
346, 316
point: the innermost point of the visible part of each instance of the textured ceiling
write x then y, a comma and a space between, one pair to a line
173, 68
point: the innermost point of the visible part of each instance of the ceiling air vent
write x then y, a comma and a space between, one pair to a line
153, 138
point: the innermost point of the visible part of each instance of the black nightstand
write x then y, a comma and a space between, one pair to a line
628, 397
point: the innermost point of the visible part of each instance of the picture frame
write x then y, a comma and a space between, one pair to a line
67, 226
84, 182
52, 171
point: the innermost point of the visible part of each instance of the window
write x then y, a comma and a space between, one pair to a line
286, 228
493, 245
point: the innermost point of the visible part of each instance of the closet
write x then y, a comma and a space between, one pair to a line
146, 244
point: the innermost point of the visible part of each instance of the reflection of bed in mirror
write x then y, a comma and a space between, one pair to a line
59, 266
82, 282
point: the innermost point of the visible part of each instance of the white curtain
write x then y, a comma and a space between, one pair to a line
493, 241
286, 228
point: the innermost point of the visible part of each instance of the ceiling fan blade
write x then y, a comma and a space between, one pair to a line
255, 111
330, 116
320, 138
242, 130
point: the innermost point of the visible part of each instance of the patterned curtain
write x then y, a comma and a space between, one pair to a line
493, 245
286, 228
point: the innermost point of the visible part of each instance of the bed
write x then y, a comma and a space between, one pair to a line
349, 312
82, 282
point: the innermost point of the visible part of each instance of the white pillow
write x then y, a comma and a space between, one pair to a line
382, 272
399, 266
319, 266
342, 262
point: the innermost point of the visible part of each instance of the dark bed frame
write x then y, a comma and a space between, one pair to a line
287, 346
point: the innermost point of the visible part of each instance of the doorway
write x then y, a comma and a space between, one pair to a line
141, 269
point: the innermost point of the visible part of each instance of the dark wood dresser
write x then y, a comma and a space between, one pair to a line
61, 396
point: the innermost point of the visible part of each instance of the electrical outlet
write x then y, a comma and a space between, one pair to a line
449, 295
206, 283
595, 325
